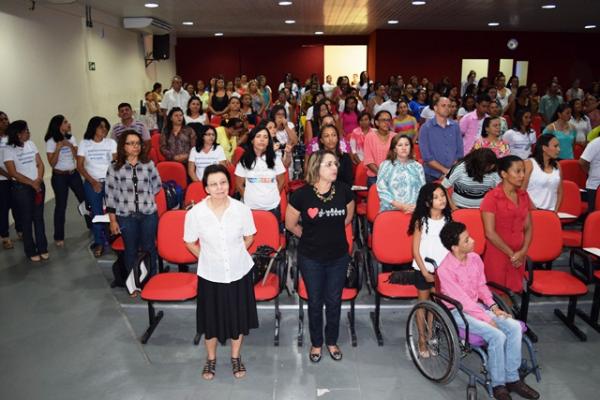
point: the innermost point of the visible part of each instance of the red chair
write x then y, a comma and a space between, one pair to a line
173, 171
231, 170
578, 151
161, 203
156, 155
471, 217
237, 154
581, 261
170, 286
536, 125
348, 294
391, 245
215, 120
194, 194
417, 153
267, 234
546, 246
571, 204
572, 171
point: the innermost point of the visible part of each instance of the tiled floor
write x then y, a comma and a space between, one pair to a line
66, 335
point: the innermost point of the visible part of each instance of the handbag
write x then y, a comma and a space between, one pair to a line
351, 275
405, 277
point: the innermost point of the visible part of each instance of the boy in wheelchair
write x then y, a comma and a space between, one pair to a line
461, 276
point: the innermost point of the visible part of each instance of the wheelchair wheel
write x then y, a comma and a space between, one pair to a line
432, 324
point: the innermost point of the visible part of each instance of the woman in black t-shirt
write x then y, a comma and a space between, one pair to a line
325, 207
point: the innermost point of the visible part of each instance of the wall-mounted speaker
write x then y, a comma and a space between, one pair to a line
160, 47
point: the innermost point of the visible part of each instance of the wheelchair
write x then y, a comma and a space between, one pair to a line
449, 346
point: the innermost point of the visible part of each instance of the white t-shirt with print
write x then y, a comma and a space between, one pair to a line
24, 158
3, 142
203, 160
98, 156
282, 136
66, 161
520, 143
261, 191
591, 154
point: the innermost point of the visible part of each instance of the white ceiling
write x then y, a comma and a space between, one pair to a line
357, 17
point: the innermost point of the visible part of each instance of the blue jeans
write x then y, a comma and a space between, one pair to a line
324, 283
61, 183
504, 345
6, 203
31, 216
139, 233
94, 202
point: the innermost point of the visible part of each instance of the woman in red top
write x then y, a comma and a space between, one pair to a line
507, 223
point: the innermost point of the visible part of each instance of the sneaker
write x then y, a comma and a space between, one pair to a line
501, 393
522, 389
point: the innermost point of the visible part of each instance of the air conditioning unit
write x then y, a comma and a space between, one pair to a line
147, 25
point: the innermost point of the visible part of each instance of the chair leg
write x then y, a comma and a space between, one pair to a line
277, 322
351, 322
569, 319
375, 319
365, 271
300, 322
154, 318
592, 318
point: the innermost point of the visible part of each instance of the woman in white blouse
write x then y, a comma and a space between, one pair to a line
206, 152
94, 155
543, 176
195, 112
61, 150
219, 231
259, 175
24, 164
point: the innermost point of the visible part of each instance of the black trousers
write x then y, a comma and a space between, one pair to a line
61, 185
5, 206
31, 216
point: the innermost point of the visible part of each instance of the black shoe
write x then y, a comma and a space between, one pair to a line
314, 357
522, 389
336, 354
501, 393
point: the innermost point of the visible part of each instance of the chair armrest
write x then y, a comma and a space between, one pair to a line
583, 272
459, 308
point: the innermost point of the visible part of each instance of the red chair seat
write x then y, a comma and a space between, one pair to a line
361, 208
557, 283
572, 238
269, 290
118, 244
394, 290
171, 286
597, 274
347, 294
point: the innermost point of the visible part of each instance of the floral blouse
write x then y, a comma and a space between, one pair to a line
500, 147
400, 182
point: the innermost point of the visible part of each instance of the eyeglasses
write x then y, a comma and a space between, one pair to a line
134, 144
330, 164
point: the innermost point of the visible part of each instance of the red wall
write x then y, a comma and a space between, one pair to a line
201, 58
435, 54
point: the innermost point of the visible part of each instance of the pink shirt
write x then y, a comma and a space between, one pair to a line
470, 128
465, 282
375, 150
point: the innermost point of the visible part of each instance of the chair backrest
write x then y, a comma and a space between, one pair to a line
546, 242
237, 154
195, 193
267, 230
536, 125
161, 202
417, 152
173, 171
571, 171
349, 238
571, 199
373, 204
391, 243
231, 170
170, 244
591, 230
155, 143
471, 217
360, 177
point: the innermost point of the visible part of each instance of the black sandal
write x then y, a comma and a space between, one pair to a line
209, 369
336, 354
238, 367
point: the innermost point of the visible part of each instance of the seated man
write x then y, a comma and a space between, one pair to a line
461, 277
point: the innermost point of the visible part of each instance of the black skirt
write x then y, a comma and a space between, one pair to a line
226, 310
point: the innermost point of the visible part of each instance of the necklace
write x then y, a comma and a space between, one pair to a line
325, 199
